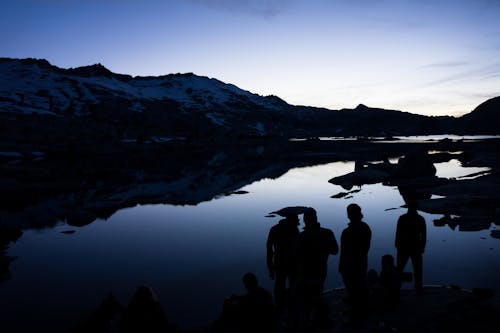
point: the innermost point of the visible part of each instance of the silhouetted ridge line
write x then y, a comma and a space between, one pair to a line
188, 105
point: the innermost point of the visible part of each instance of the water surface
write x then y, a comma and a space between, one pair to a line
194, 256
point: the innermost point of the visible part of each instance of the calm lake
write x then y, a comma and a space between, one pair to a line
194, 256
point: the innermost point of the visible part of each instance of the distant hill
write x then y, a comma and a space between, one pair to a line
484, 118
93, 103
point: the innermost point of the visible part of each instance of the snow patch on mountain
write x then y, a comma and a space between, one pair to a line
38, 87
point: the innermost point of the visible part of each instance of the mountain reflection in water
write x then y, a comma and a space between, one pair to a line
193, 256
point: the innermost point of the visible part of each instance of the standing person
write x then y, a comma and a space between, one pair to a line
354, 246
314, 245
411, 234
281, 243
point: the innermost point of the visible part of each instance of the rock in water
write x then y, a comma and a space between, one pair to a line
495, 234
416, 164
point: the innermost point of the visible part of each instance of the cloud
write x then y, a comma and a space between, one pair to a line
481, 73
262, 8
446, 64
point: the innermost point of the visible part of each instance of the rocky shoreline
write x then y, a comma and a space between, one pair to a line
471, 203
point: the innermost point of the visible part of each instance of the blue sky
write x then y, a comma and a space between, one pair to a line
432, 57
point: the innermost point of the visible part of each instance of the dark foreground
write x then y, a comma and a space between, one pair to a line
439, 309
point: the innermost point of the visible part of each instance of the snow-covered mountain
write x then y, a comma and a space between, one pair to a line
39, 81
35, 86
179, 105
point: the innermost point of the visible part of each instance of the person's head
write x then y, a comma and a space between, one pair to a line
292, 219
143, 295
250, 281
387, 261
310, 217
354, 212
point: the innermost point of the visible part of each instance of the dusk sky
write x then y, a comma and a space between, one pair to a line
434, 57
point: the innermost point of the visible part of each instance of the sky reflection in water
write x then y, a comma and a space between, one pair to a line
194, 256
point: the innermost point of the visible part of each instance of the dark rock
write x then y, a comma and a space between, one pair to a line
416, 164
442, 221
68, 232
80, 219
361, 177
237, 192
495, 234
9, 234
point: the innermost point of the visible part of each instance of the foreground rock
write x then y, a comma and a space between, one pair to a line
7, 235
440, 309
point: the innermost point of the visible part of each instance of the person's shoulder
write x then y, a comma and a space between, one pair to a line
420, 220
366, 227
264, 293
326, 230
346, 230
403, 217
276, 227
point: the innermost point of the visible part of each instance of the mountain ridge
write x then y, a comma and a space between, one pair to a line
188, 105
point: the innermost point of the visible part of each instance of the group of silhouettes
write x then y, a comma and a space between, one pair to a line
297, 261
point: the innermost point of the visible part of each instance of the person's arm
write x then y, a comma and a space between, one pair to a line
397, 241
334, 246
368, 239
270, 253
342, 250
423, 236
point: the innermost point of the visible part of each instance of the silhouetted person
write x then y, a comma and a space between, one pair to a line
252, 312
354, 246
144, 314
314, 245
390, 281
281, 244
103, 319
410, 242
